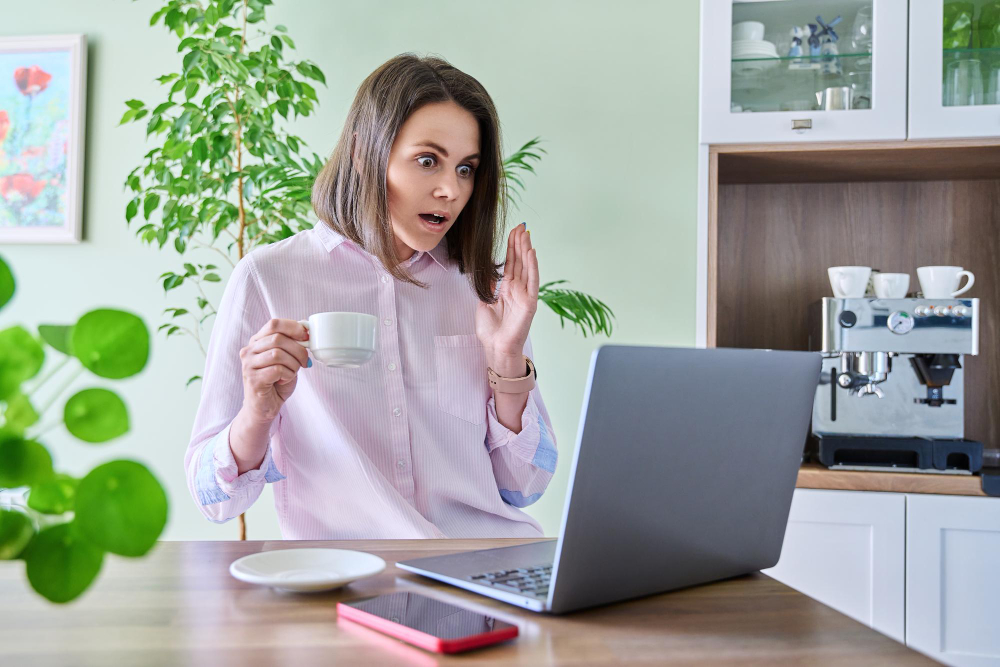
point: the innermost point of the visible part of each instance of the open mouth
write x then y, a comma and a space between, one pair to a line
433, 218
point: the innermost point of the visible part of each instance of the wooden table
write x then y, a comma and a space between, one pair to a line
179, 605
816, 476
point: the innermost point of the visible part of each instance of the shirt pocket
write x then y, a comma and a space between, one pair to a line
460, 367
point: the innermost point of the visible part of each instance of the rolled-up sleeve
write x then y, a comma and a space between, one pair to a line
524, 462
219, 492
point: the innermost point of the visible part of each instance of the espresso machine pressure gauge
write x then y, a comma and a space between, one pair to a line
900, 322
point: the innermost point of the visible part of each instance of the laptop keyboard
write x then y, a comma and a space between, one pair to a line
531, 581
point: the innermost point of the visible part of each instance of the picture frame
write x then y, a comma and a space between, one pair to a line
43, 84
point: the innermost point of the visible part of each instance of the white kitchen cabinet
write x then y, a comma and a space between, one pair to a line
749, 96
954, 87
953, 578
847, 549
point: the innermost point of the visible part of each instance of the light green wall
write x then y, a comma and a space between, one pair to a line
610, 86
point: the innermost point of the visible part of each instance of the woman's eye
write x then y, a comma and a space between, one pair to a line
422, 158
468, 170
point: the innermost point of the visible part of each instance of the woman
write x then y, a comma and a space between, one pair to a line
413, 443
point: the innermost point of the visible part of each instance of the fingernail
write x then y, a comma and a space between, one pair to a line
525, 224
309, 364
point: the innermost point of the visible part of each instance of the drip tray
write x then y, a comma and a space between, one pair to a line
899, 454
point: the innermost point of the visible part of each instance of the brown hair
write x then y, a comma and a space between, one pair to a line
355, 202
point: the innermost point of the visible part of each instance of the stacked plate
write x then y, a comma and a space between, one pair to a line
755, 56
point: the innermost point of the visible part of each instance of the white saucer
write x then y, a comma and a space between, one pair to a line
306, 570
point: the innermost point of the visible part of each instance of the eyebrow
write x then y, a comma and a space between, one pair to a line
442, 151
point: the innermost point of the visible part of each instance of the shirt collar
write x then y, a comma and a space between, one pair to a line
331, 239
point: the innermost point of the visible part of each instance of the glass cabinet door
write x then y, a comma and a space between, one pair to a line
803, 70
954, 69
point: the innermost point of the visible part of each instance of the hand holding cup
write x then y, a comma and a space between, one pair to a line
270, 363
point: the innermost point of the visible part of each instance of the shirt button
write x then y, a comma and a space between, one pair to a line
385, 279
396, 412
401, 463
387, 321
392, 367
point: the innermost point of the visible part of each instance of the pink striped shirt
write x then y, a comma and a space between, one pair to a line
406, 446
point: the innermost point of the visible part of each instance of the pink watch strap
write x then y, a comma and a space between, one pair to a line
520, 385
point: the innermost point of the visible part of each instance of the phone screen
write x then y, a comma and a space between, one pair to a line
429, 616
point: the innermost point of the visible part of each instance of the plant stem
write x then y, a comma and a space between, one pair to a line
197, 284
65, 385
194, 335
43, 430
48, 375
212, 247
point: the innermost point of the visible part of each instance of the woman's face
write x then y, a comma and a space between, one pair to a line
431, 170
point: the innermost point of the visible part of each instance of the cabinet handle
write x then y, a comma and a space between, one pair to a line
802, 124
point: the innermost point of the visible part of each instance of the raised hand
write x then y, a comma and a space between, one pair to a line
502, 327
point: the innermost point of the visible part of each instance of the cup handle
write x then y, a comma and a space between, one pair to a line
840, 283
968, 285
304, 343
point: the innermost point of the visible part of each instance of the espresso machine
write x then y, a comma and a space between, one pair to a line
891, 390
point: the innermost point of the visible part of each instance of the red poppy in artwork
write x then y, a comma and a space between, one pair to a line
4, 124
23, 184
31, 80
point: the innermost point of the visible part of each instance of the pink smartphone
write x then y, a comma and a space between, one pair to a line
428, 623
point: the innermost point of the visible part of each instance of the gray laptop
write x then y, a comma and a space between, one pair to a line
683, 474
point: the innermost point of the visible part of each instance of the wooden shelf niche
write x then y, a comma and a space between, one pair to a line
779, 215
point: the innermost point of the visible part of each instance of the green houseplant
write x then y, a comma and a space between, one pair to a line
227, 175
66, 525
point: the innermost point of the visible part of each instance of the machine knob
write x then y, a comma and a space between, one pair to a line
847, 319
922, 311
942, 311
961, 311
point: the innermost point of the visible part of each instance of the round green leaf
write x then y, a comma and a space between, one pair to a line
23, 463
61, 564
111, 343
21, 357
20, 414
56, 335
96, 415
121, 508
15, 532
6, 283
53, 496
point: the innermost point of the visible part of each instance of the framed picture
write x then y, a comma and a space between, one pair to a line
42, 90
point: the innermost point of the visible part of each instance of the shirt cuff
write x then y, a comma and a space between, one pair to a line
523, 444
217, 479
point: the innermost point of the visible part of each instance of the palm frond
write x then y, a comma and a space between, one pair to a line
581, 309
518, 164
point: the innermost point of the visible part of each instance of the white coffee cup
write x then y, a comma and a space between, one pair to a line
748, 30
340, 338
891, 285
849, 282
941, 282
